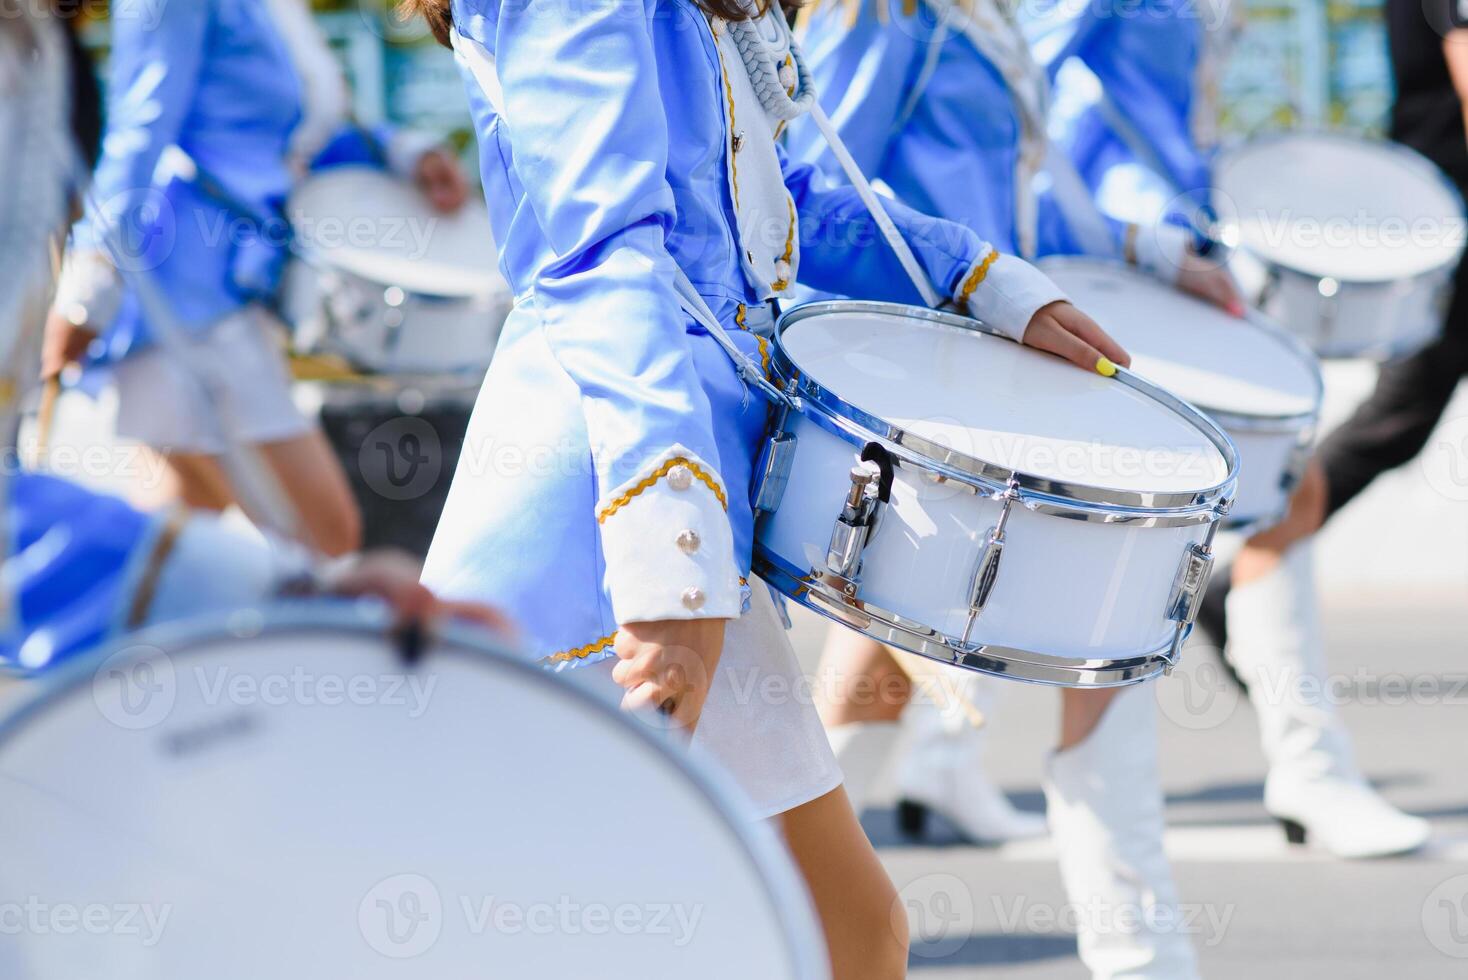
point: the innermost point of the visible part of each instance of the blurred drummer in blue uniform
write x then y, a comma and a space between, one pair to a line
80, 568
1135, 100
1136, 109
945, 103
215, 109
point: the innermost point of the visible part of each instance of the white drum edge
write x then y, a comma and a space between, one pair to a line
758, 840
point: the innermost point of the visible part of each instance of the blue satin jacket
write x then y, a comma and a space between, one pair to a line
213, 79
71, 563
609, 460
1139, 72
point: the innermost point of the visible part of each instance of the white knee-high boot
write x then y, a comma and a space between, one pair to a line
1104, 800
944, 767
863, 749
1314, 788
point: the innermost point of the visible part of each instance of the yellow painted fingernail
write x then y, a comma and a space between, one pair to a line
1105, 368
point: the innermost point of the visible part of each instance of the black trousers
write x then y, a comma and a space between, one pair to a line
1391, 427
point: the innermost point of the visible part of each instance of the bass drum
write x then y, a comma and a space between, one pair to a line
388, 283
1349, 243
291, 797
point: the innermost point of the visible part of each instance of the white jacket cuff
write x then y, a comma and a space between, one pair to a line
405, 147
667, 542
89, 292
1159, 249
1006, 293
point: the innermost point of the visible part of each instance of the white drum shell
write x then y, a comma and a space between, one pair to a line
1269, 471
1272, 448
1379, 321
1067, 588
389, 330
277, 832
1333, 297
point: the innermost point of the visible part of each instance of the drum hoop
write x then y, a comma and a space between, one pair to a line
787, 894
1229, 419
1405, 154
1077, 499
917, 638
320, 258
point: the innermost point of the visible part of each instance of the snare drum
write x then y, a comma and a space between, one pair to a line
387, 282
1249, 376
1357, 239
289, 797
1014, 514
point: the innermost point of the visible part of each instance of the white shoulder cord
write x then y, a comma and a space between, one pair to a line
762, 55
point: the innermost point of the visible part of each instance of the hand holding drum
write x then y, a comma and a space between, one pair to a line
1065, 331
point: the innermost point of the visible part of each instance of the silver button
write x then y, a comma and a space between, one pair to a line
688, 541
787, 75
693, 599
738, 141
782, 269
680, 477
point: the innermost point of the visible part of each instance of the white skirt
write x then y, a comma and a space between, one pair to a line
161, 404
759, 724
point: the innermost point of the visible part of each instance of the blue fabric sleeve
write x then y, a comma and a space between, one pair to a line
590, 140
155, 65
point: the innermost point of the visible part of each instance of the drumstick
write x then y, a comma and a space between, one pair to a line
46, 416
918, 669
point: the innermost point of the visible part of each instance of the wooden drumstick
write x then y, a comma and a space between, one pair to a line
46, 416
917, 668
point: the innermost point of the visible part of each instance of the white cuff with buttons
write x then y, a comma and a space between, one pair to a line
668, 546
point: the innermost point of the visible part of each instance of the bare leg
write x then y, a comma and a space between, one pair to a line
865, 927
858, 681
1080, 712
308, 474
196, 481
312, 478
1264, 551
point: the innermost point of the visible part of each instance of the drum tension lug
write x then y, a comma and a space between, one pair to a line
1189, 585
772, 472
861, 514
986, 574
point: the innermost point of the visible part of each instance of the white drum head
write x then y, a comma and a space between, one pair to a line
1191, 348
1340, 207
375, 226
295, 802
996, 401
